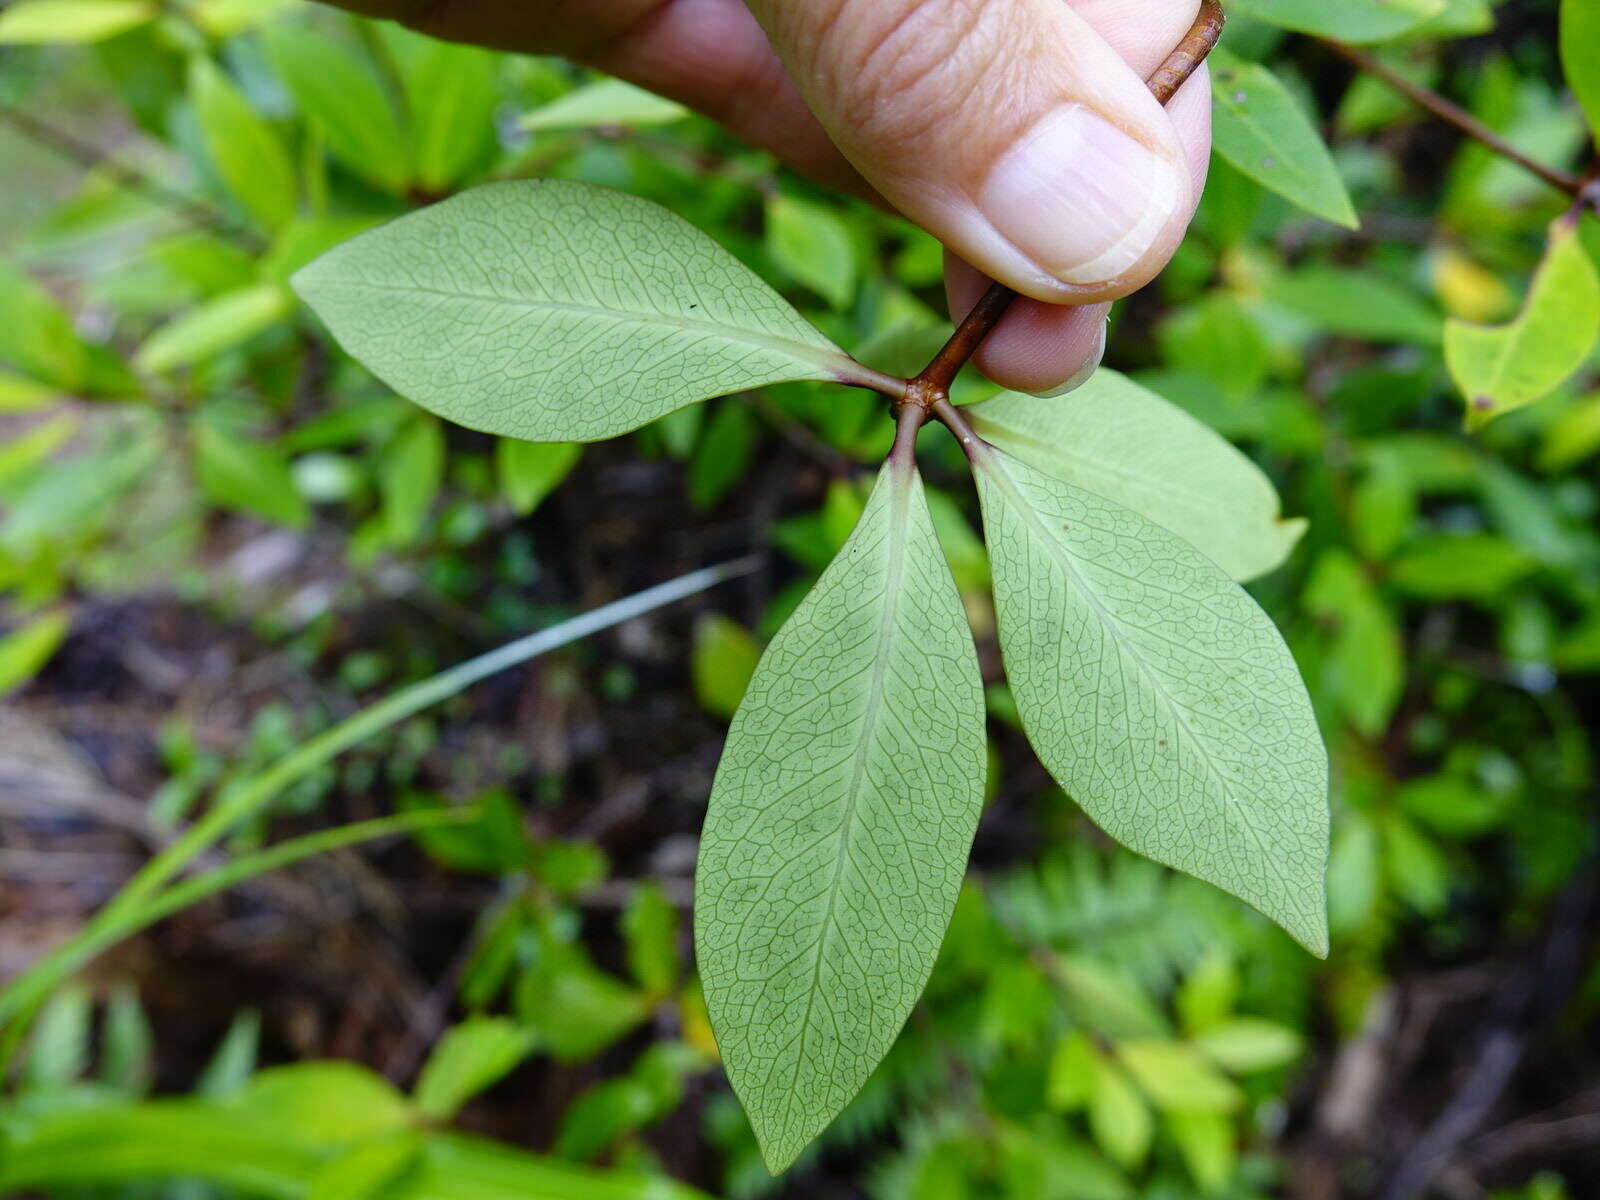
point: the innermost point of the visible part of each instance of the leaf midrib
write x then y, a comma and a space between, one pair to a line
894, 542
1109, 620
823, 357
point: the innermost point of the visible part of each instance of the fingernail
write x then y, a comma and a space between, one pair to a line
1083, 374
1079, 197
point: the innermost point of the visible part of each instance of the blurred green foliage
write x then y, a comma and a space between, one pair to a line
1095, 1028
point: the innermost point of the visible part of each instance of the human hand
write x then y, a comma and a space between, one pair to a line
1019, 133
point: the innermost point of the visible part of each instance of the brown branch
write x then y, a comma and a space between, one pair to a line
1453, 114
932, 387
91, 158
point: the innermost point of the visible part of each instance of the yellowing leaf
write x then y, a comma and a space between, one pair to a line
1467, 289
38, 22
1504, 368
1177, 1078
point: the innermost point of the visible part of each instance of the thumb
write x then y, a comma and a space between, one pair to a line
1009, 129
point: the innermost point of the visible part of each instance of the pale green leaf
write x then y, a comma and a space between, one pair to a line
25, 650
530, 471
249, 154
210, 328
1260, 128
725, 658
1347, 20
1177, 1078
1122, 441
36, 334
469, 1058
604, 102
811, 243
339, 90
246, 475
1505, 367
1580, 55
450, 93
1246, 1044
39, 22
409, 477
1157, 693
558, 311
224, 18
839, 824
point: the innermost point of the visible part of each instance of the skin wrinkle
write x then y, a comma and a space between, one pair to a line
713, 56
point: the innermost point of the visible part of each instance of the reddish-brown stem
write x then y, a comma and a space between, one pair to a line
930, 390
1453, 114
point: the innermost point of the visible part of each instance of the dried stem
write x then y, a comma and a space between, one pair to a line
1453, 114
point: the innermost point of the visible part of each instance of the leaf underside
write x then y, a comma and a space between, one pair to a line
839, 824
557, 311
1122, 441
1158, 694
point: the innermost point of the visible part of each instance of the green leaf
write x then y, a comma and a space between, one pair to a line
25, 650
1118, 1116
722, 458
558, 311
450, 93
1580, 55
1206, 1141
1246, 1044
811, 243
1157, 693
604, 102
127, 1054
1069, 1081
1348, 20
36, 334
1122, 441
249, 154
530, 471
1505, 367
409, 477
469, 1058
246, 475
1357, 304
839, 823
326, 1101
1177, 1078
367, 1170
1467, 566
650, 935
1365, 664
576, 1009
38, 22
58, 1047
209, 329
1260, 128
339, 90
725, 657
